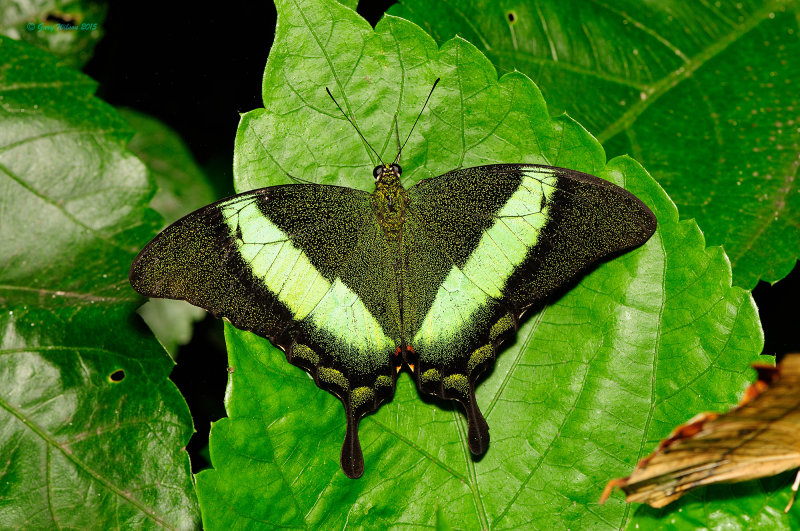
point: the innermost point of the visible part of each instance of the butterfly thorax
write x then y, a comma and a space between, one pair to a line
389, 200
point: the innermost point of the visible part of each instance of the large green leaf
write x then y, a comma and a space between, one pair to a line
702, 93
91, 430
592, 382
182, 188
67, 29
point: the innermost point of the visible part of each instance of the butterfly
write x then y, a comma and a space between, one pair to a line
354, 286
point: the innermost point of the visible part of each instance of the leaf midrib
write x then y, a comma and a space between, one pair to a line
43, 292
52, 443
658, 89
652, 91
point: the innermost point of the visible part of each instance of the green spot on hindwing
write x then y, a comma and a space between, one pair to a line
305, 352
431, 375
503, 325
457, 382
383, 381
479, 356
332, 376
361, 395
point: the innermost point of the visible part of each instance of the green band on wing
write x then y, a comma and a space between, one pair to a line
342, 313
431, 375
383, 381
286, 271
479, 356
304, 352
503, 325
500, 250
457, 382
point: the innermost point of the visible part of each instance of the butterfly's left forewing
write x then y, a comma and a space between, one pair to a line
305, 266
498, 239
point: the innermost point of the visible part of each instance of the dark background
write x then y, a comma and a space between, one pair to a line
196, 70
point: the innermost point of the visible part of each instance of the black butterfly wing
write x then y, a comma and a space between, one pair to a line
482, 245
305, 266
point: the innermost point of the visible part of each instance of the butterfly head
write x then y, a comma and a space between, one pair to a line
384, 173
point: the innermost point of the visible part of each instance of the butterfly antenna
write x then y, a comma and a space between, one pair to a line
417, 120
354, 125
397, 135
298, 179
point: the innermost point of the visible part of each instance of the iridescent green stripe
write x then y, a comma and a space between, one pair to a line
501, 249
286, 271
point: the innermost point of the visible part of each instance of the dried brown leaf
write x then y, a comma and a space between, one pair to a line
759, 437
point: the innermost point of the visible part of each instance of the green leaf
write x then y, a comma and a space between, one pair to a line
592, 382
68, 30
72, 195
702, 93
182, 188
93, 432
